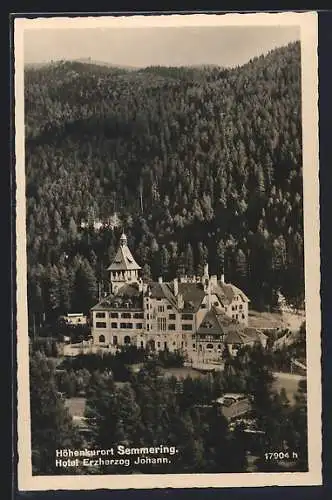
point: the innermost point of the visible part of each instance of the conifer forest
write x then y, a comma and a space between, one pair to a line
197, 165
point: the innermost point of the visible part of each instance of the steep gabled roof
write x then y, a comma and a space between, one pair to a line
236, 337
127, 293
218, 323
226, 292
210, 324
162, 291
123, 260
128, 290
192, 294
243, 336
215, 322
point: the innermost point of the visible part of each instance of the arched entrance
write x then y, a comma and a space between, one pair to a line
101, 338
127, 339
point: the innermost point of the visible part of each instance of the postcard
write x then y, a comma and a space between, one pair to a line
167, 258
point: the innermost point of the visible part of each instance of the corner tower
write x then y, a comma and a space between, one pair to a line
124, 269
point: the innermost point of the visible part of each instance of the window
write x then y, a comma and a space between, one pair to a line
207, 324
171, 326
194, 346
126, 315
122, 325
187, 327
129, 325
240, 306
100, 315
174, 343
148, 316
209, 346
126, 325
158, 344
142, 344
138, 315
114, 325
203, 306
139, 326
187, 316
169, 306
243, 316
237, 316
161, 309
171, 316
165, 345
216, 303
100, 324
219, 347
114, 315
127, 339
101, 338
161, 324
115, 340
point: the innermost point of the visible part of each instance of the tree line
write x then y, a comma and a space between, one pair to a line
201, 165
150, 409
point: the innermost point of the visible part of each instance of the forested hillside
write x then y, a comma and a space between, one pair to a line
198, 163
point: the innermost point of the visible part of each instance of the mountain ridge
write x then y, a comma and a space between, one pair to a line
200, 165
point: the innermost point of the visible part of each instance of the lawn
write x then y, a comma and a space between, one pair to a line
269, 320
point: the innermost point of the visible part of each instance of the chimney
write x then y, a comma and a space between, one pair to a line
214, 280
160, 279
180, 301
222, 278
176, 287
140, 285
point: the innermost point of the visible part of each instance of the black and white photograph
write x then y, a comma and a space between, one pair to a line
168, 268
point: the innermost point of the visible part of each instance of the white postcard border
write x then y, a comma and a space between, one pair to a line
307, 21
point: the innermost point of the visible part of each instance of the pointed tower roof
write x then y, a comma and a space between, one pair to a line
123, 260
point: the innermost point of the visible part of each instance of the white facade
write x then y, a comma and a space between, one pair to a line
166, 315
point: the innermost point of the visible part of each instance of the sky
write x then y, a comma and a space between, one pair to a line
165, 46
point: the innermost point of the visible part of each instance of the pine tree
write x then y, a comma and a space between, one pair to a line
84, 287
51, 425
189, 260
